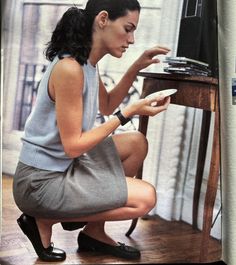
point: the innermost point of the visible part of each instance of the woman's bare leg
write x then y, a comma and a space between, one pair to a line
132, 149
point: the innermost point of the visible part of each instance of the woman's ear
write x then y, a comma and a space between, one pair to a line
102, 19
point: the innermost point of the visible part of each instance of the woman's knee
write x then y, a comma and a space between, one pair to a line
149, 198
139, 143
141, 195
138, 151
131, 144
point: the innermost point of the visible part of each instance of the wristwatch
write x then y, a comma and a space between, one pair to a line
122, 119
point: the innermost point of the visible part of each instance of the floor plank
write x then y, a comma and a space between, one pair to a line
160, 241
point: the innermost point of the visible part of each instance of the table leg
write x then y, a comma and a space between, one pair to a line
211, 190
206, 120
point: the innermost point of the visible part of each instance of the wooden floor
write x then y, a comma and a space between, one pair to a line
160, 241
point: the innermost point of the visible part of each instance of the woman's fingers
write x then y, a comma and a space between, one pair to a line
148, 57
157, 50
157, 105
160, 101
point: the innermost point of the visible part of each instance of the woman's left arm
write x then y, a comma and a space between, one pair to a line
109, 101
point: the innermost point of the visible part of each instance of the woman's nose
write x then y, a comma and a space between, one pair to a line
131, 38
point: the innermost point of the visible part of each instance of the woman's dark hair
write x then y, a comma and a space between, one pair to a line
73, 33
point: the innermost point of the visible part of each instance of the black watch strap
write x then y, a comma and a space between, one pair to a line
122, 119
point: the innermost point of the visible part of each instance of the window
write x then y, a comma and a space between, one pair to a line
39, 20
193, 8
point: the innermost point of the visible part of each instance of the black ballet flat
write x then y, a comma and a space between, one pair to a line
30, 229
71, 226
87, 243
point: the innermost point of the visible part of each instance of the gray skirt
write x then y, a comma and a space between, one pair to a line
93, 183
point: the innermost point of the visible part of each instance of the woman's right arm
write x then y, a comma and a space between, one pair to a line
66, 88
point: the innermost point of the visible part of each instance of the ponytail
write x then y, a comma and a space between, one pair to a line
72, 35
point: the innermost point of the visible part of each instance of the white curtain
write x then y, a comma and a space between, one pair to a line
174, 137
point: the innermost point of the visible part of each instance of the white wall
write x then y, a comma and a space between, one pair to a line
227, 72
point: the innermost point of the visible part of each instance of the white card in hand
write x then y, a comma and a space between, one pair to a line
165, 93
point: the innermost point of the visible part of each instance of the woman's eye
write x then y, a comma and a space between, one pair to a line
128, 30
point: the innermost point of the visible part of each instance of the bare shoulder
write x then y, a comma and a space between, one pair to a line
67, 76
69, 68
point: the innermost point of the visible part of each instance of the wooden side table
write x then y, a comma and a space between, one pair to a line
198, 92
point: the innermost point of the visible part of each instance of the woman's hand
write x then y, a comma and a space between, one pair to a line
147, 58
147, 107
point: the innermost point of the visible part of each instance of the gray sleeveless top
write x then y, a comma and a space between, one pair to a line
42, 147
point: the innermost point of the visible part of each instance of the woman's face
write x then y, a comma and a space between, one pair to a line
119, 34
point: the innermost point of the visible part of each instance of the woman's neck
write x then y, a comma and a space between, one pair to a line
97, 52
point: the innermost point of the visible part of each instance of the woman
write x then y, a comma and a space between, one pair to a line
69, 171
